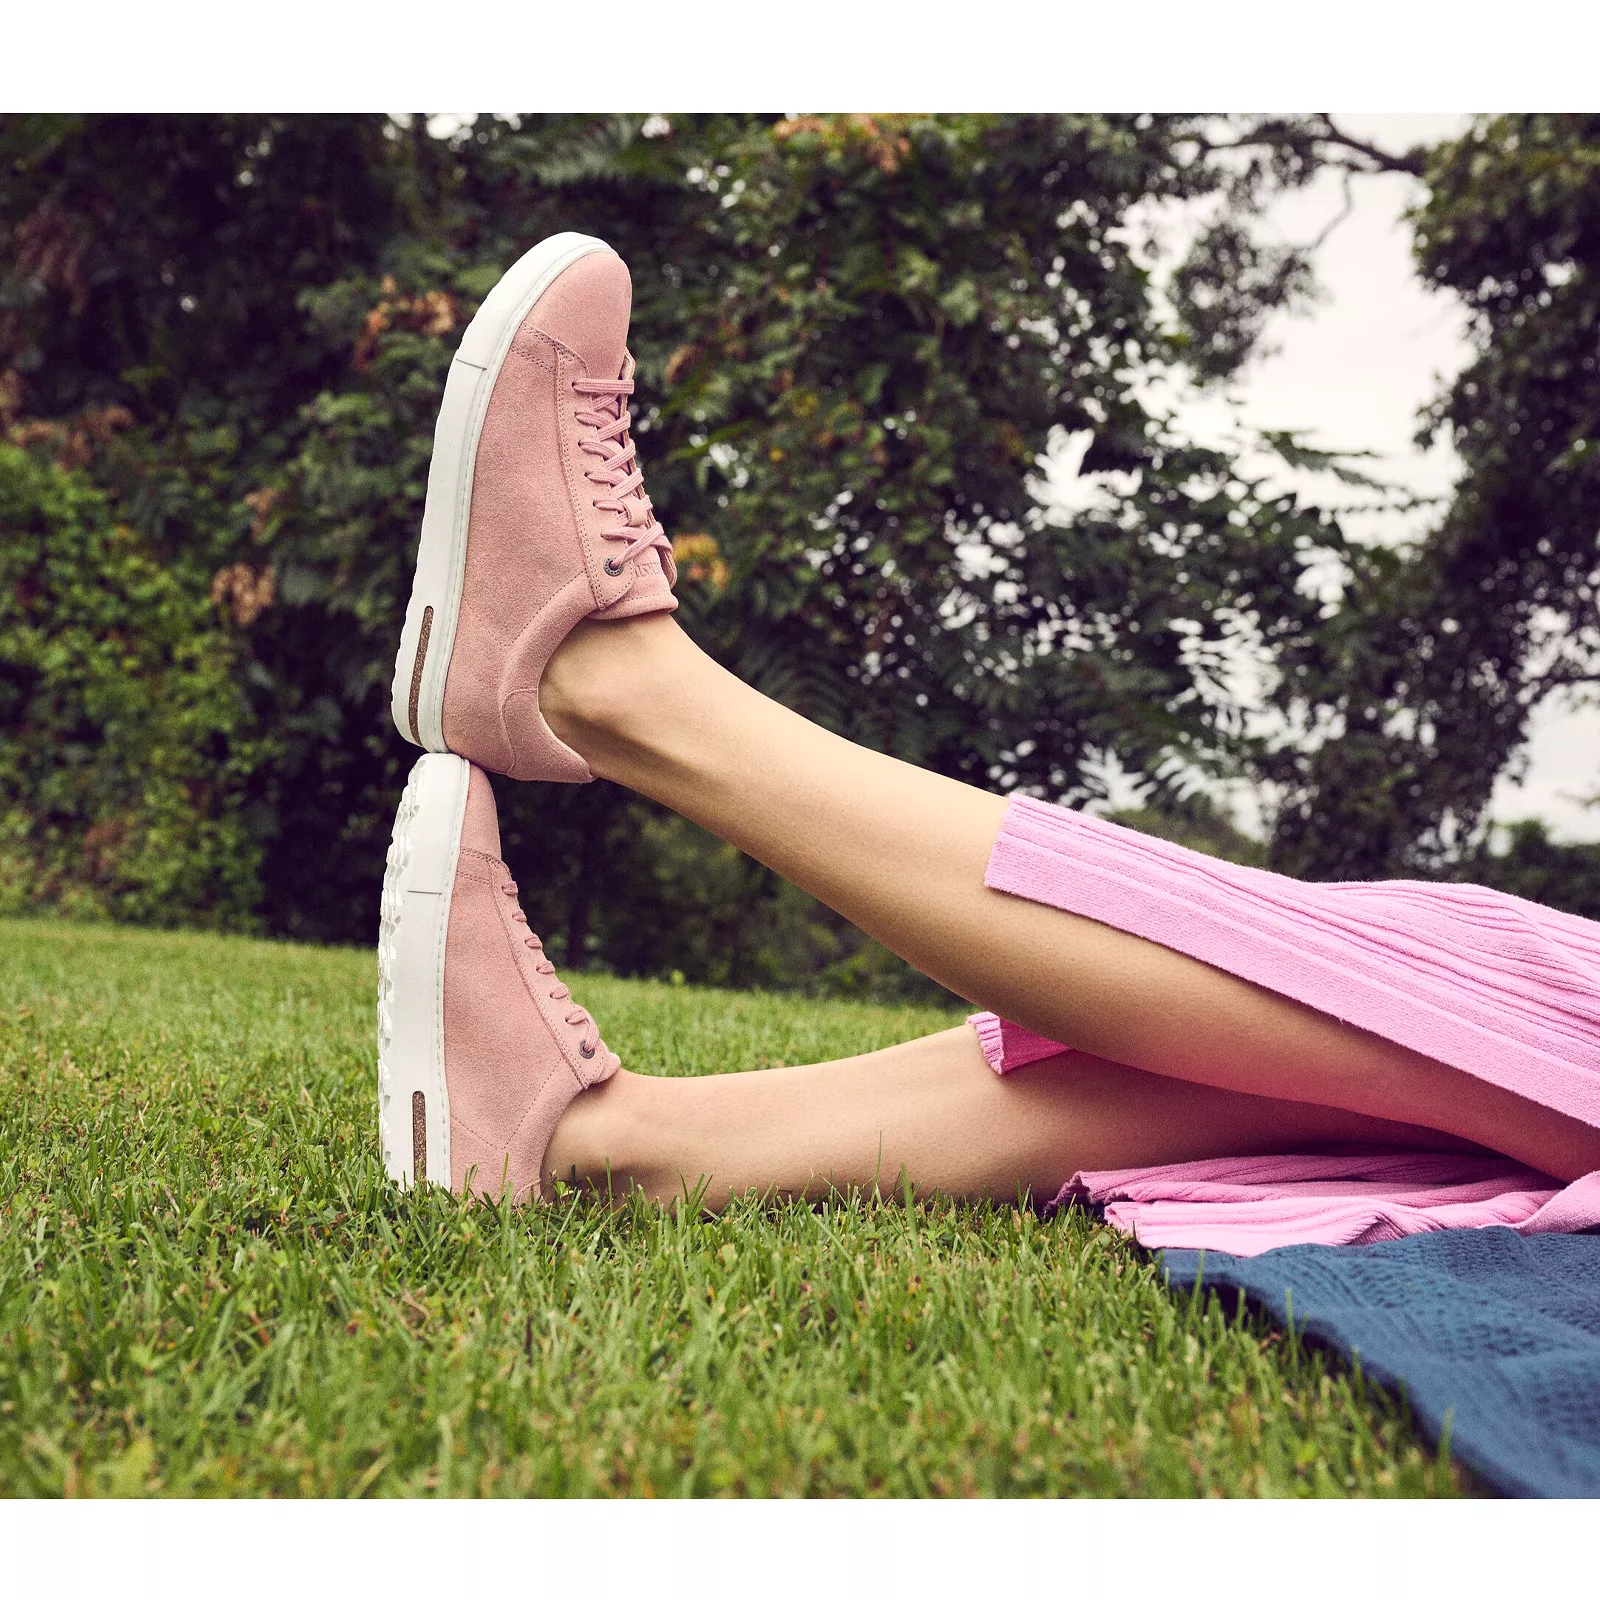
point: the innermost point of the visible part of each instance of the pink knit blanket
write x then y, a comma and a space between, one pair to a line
1485, 982
1257, 1203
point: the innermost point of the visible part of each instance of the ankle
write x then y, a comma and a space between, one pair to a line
591, 691
591, 1147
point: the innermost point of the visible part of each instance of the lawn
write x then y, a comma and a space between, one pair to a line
207, 1286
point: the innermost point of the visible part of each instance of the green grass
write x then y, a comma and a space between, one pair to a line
207, 1286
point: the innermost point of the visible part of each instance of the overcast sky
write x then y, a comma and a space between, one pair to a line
1353, 374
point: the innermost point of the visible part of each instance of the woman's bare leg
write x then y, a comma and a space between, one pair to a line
930, 1109
901, 852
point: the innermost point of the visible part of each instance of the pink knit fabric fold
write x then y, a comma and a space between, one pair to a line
1487, 983
1254, 1204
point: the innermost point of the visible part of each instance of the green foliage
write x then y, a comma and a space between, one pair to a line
127, 733
857, 337
1226, 289
208, 1286
897, 318
158, 265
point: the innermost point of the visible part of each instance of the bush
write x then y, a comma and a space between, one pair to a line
123, 737
856, 338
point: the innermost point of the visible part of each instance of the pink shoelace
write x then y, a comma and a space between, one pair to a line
577, 1016
618, 468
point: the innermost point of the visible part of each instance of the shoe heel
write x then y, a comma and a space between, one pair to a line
416, 693
414, 919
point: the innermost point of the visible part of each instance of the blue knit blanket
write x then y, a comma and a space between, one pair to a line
1497, 1333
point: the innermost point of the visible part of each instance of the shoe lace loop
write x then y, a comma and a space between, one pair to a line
575, 1016
617, 468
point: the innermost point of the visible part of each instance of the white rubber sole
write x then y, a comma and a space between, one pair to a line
416, 697
413, 1102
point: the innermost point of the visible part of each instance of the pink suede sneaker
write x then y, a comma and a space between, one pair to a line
480, 1046
536, 515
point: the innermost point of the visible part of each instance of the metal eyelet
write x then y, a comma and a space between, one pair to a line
613, 567
586, 1052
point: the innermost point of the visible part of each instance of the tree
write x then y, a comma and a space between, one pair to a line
895, 320
857, 339
153, 337
1443, 651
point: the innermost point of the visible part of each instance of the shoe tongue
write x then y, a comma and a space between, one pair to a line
480, 824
